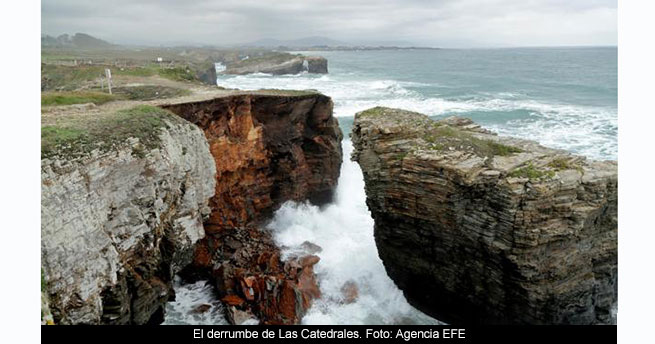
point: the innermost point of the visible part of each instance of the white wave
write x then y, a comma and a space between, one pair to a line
188, 297
344, 230
586, 130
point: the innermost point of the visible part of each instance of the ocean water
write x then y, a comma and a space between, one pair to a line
561, 97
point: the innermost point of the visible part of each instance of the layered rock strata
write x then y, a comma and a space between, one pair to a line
477, 228
268, 149
116, 225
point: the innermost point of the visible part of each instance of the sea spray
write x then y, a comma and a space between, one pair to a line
344, 231
195, 304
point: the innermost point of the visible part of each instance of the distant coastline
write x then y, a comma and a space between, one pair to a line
351, 48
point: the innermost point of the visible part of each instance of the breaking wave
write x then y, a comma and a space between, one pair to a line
195, 304
344, 231
586, 130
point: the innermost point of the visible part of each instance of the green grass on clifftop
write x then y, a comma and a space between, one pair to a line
437, 136
150, 92
75, 136
531, 172
69, 98
443, 136
68, 78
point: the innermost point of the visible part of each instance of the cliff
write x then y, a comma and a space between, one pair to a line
206, 72
476, 228
269, 148
120, 212
278, 64
132, 196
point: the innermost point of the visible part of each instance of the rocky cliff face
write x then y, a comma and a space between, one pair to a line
317, 64
116, 225
476, 228
206, 72
268, 148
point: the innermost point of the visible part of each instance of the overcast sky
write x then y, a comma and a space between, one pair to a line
438, 23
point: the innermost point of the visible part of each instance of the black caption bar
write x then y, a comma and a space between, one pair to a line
332, 334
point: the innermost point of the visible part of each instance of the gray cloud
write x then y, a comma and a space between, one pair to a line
445, 23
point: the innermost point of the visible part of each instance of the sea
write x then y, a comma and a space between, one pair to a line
561, 97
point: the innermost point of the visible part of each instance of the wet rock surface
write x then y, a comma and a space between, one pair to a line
252, 279
477, 228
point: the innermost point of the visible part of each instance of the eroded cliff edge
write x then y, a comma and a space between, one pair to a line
477, 228
133, 195
268, 149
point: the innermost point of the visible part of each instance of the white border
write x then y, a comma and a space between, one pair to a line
20, 253
636, 152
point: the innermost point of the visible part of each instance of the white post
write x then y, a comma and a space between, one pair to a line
108, 74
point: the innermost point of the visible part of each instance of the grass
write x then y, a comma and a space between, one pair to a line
76, 137
560, 164
150, 92
147, 92
52, 137
501, 149
373, 112
68, 78
177, 74
80, 97
531, 172
441, 136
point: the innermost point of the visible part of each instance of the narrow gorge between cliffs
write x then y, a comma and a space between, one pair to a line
354, 287
354, 284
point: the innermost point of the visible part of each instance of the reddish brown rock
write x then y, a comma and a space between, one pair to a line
201, 308
309, 261
350, 292
233, 300
268, 149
